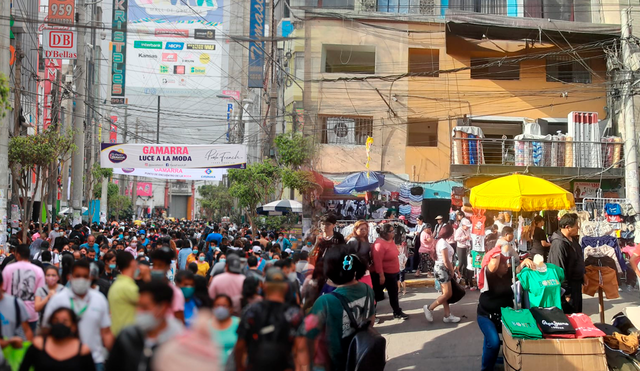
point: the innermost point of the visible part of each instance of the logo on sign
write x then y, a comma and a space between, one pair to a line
137, 44
178, 70
174, 46
169, 57
128, 170
204, 34
204, 58
208, 171
201, 47
61, 39
116, 156
197, 70
146, 55
171, 32
164, 69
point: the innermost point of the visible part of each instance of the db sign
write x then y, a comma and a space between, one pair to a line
59, 44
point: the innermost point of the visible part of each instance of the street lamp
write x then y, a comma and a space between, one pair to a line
240, 136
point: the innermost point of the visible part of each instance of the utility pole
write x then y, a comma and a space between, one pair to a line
134, 189
123, 181
4, 123
17, 116
78, 124
273, 91
158, 123
56, 107
630, 144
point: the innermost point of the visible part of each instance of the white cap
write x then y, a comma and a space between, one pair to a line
257, 249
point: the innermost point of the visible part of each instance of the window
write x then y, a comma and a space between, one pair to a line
498, 70
299, 65
346, 130
350, 59
393, 6
565, 10
498, 7
422, 132
563, 68
425, 61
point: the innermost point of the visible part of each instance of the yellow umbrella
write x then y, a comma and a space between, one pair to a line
520, 193
137, 223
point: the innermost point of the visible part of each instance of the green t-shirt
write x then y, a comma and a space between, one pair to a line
332, 318
544, 288
521, 323
226, 339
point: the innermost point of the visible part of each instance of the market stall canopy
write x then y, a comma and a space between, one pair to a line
360, 182
520, 193
280, 207
322, 181
441, 189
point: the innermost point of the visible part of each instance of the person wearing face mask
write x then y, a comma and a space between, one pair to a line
45, 293
110, 267
60, 349
193, 257
230, 282
183, 255
283, 241
161, 262
141, 253
220, 264
185, 280
90, 306
123, 295
203, 266
293, 295
137, 344
224, 327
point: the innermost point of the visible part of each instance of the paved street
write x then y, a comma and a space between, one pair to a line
416, 344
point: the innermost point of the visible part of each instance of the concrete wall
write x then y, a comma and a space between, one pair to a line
446, 98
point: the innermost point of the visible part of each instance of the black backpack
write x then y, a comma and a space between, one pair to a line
366, 348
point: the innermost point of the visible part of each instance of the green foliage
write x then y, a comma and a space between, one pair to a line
99, 172
4, 95
120, 206
294, 150
215, 200
276, 222
112, 189
300, 180
253, 184
41, 149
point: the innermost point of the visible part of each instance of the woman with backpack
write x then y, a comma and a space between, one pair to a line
359, 241
324, 324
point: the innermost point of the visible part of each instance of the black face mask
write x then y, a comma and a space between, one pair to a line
60, 331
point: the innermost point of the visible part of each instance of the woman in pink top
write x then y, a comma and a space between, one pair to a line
427, 252
385, 268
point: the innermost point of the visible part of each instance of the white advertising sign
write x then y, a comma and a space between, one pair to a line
175, 156
59, 44
184, 174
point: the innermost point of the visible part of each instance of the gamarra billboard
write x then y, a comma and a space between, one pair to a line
172, 47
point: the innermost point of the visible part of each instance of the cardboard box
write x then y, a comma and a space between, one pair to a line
553, 354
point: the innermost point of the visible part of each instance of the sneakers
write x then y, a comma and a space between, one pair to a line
401, 315
451, 319
428, 314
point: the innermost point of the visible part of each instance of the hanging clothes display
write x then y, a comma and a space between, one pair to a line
605, 241
600, 277
543, 287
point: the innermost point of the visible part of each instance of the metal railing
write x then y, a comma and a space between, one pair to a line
534, 152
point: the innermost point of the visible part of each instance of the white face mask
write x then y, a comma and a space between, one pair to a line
80, 286
292, 276
146, 321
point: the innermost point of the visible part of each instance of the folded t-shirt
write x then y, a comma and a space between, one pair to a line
552, 321
520, 323
584, 327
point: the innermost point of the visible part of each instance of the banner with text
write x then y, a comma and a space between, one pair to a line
256, 47
184, 174
179, 156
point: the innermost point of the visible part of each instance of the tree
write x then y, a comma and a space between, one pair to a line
120, 206
4, 95
97, 174
215, 200
34, 154
254, 185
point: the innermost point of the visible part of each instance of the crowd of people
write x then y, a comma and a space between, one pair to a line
128, 297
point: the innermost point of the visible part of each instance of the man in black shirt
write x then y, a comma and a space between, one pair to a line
271, 332
540, 243
567, 254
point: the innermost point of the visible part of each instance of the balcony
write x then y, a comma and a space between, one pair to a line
559, 156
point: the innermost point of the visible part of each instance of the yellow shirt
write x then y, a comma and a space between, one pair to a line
123, 297
203, 268
191, 258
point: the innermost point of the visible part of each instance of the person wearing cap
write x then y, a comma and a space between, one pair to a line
438, 226
462, 236
230, 282
259, 347
144, 241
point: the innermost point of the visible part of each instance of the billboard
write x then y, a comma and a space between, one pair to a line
184, 174
256, 48
177, 156
119, 51
52, 67
59, 44
172, 47
61, 12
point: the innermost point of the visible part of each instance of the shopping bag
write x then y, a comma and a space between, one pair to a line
14, 356
457, 292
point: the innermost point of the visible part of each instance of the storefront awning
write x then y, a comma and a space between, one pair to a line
439, 190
